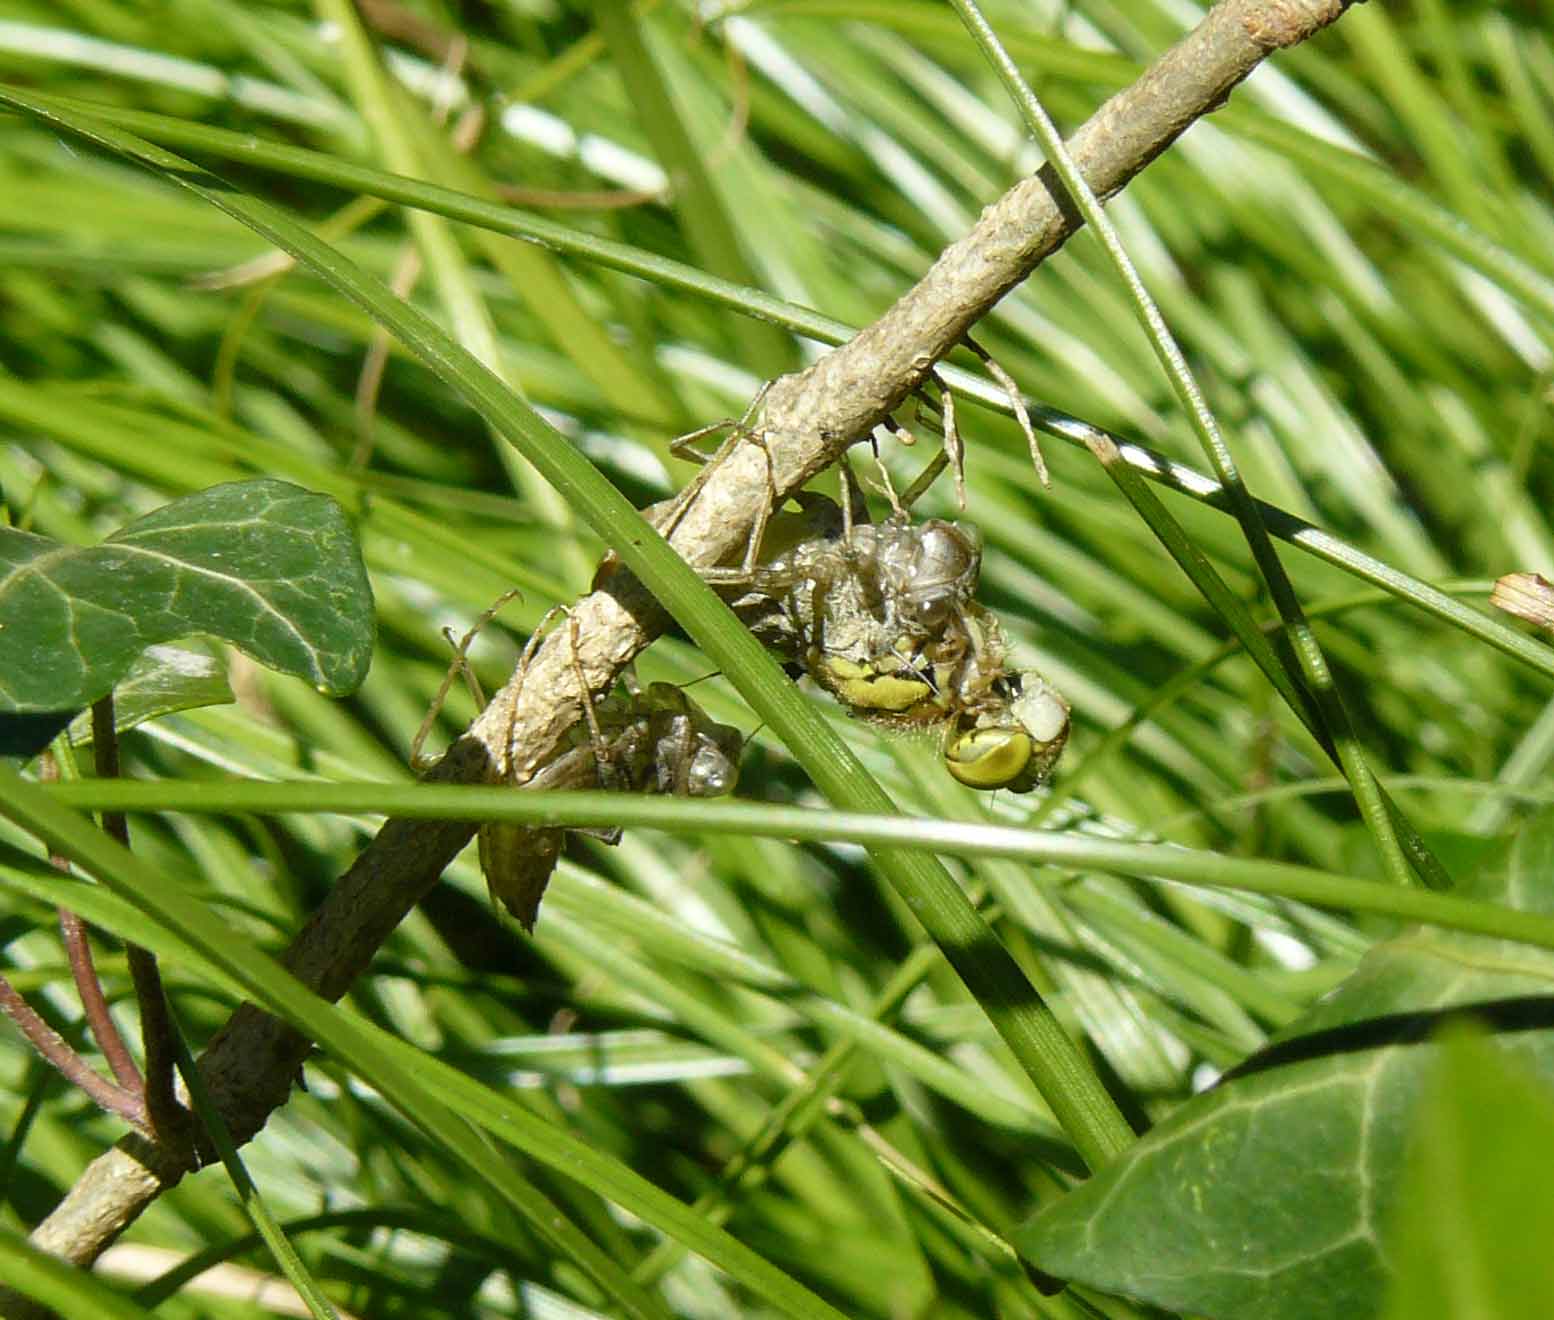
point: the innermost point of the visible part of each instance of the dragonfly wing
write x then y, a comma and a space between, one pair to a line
518, 863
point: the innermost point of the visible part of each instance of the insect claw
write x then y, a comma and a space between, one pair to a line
1021, 412
682, 447
764, 512
954, 445
896, 509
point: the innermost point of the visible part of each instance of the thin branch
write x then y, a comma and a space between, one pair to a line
810, 419
58, 1051
105, 1031
78, 951
169, 1120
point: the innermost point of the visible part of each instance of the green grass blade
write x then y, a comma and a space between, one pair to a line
1072, 851
252, 1200
63, 1288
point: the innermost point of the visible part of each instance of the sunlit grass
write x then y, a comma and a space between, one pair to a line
1373, 337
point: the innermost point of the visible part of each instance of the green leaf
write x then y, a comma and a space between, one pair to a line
1476, 1213
265, 565
162, 681
1266, 1195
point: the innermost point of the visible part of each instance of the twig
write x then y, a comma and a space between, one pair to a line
78, 951
125, 1097
62, 1055
810, 419
94, 1004
168, 1120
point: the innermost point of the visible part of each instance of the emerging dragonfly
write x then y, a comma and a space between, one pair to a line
882, 616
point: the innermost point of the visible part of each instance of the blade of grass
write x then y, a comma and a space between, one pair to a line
1258, 647
1406, 207
248, 1194
792, 1117
1072, 851
437, 1227
63, 1288
1104, 753
53, 43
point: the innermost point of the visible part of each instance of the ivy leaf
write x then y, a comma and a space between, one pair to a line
161, 681
1267, 1195
265, 565
1477, 1213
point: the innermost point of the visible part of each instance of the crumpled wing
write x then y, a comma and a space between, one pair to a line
518, 863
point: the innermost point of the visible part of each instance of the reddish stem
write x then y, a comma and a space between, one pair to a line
88, 985
56, 1050
169, 1120
93, 1002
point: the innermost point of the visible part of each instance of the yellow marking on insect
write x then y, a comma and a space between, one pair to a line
867, 688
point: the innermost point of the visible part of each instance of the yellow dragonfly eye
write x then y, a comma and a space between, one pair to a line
989, 758
1015, 747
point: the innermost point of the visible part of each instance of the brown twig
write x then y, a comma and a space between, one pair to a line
94, 1004
59, 1052
810, 419
123, 1097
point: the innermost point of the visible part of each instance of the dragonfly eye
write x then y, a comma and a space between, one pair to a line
988, 758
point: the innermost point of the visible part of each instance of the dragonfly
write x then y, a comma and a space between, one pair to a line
882, 616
